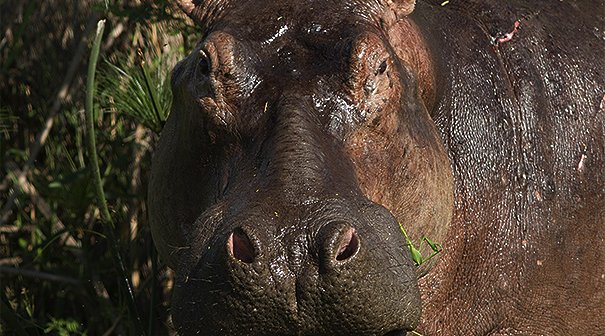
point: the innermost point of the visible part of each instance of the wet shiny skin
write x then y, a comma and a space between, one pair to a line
302, 132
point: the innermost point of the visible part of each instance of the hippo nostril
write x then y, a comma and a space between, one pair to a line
338, 243
349, 244
240, 246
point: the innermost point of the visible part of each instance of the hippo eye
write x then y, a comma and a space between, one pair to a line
203, 64
370, 84
382, 68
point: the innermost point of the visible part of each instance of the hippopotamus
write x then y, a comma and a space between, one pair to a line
304, 133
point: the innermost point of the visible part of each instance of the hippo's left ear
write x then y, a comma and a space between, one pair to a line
401, 7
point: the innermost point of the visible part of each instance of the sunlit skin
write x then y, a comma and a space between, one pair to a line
304, 133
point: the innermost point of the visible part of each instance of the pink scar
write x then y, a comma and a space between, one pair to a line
509, 36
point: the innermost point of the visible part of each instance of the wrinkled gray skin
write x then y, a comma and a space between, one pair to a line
303, 132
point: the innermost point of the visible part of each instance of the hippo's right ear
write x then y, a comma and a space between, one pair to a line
186, 6
203, 12
396, 10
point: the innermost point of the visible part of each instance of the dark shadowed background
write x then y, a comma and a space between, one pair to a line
58, 274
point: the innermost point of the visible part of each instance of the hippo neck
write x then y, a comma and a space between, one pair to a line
411, 48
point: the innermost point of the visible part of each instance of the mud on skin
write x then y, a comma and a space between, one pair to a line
303, 132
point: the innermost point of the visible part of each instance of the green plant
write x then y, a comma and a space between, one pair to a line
415, 251
139, 89
107, 220
63, 327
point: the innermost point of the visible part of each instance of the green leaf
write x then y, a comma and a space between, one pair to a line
434, 246
23, 243
139, 89
416, 256
55, 185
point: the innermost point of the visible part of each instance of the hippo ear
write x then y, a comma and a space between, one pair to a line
395, 10
401, 7
188, 6
202, 12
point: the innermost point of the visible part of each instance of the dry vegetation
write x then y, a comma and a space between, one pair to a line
57, 271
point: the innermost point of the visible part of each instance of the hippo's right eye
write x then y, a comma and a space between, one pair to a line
370, 83
203, 64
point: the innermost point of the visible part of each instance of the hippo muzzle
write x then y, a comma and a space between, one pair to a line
315, 273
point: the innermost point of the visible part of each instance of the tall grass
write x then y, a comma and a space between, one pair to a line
57, 272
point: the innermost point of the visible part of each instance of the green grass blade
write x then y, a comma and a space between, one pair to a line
92, 145
100, 194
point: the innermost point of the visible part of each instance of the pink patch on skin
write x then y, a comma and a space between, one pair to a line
510, 35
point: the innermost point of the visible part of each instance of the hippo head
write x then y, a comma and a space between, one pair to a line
299, 138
